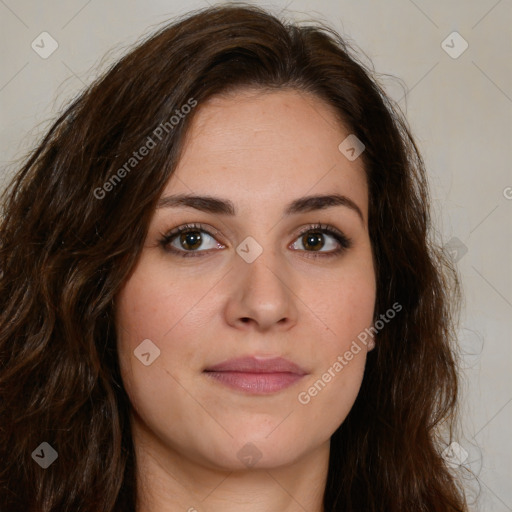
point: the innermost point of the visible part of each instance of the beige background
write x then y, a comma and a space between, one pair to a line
460, 110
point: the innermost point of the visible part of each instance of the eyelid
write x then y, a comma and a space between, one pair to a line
195, 226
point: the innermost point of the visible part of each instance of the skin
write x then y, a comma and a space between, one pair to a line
261, 150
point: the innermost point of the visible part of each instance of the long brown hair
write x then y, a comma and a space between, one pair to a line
72, 231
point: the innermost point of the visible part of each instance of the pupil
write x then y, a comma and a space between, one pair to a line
313, 239
191, 239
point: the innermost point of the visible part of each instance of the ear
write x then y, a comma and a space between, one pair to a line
371, 344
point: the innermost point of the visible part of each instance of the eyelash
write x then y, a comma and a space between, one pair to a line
343, 241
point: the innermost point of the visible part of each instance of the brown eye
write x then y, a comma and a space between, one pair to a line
313, 240
191, 240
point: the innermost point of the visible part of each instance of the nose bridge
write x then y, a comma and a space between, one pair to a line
262, 265
262, 281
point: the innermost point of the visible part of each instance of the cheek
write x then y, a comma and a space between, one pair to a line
154, 305
346, 308
150, 304
145, 313
344, 304
141, 315
157, 304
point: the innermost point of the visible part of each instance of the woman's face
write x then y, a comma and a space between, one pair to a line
256, 280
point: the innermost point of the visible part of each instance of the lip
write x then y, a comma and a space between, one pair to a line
256, 375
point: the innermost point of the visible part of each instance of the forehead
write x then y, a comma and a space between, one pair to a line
268, 146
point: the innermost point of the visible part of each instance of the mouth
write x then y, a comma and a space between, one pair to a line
255, 375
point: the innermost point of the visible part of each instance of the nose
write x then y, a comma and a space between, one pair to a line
262, 296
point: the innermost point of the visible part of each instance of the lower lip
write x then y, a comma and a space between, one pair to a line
256, 383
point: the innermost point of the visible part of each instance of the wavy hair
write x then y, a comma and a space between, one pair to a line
67, 246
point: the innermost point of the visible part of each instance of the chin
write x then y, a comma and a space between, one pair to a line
247, 451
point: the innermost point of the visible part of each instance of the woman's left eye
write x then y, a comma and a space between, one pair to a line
314, 236
186, 240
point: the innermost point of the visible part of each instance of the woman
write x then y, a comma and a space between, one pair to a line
218, 289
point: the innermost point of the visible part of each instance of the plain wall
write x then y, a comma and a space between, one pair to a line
459, 109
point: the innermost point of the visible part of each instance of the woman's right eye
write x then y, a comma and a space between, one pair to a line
186, 240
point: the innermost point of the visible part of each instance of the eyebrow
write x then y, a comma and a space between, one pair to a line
226, 207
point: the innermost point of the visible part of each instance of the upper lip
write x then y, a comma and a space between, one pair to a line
254, 364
